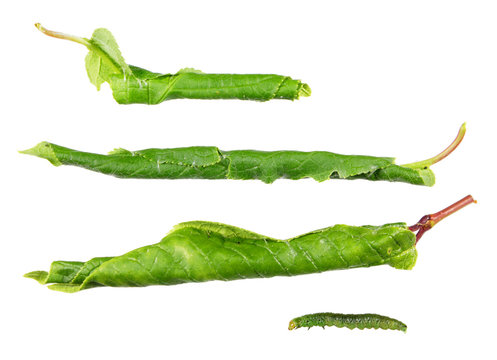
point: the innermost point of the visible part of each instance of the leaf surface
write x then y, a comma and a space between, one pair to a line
208, 162
132, 84
202, 251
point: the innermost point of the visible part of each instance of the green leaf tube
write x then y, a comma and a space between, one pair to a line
200, 251
350, 321
134, 85
211, 163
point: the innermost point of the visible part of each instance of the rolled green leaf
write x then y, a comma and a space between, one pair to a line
134, 85
212, 163
200, 251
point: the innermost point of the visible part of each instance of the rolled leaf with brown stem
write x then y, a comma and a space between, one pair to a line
200, 251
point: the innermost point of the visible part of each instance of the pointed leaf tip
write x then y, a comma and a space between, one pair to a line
43, 150
39, 276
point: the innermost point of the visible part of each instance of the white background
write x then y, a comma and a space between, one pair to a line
389, 78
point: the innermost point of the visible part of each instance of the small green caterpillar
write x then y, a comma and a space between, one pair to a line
200, 251
351, 321
211, 163
134, 85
